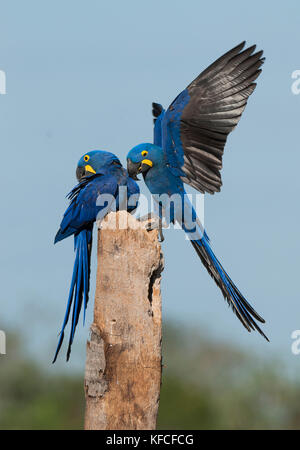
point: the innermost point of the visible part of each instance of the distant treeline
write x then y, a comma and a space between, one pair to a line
205, 386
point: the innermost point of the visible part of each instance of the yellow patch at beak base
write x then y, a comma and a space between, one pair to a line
148, 162
89, 168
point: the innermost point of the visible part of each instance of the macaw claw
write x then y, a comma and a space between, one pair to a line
153, 222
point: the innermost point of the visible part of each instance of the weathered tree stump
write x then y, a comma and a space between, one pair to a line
123, 365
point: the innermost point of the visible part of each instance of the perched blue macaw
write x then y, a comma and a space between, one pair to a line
189, 139
98, 172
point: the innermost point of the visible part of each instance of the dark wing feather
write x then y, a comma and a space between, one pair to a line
158, 114
196, 125
157, 109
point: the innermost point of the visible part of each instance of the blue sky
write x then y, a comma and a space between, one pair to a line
81, 76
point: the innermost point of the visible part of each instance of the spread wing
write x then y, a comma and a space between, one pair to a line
158, 114
194, 129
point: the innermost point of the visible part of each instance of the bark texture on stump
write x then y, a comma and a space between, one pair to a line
123, 365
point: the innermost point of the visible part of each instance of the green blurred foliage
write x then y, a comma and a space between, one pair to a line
33, 399
206, 385
210, 385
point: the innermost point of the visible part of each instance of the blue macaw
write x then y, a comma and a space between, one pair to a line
189, 139
98, 172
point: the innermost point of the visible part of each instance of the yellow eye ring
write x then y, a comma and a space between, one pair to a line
86, 158
144, 153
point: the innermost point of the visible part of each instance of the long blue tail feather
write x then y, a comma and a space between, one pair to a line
85, 281
235, 299
77, 301
79, 288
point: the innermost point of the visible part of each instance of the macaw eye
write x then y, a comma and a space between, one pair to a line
86, 158
144, 153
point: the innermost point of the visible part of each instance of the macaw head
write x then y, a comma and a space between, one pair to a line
142, 158
95, 161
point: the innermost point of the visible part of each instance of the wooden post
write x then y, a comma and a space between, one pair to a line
123, 365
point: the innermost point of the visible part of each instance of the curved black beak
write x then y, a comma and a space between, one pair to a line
133, 169
144, 168
80, 172
84, 172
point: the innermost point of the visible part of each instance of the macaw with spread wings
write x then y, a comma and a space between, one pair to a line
189, 141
